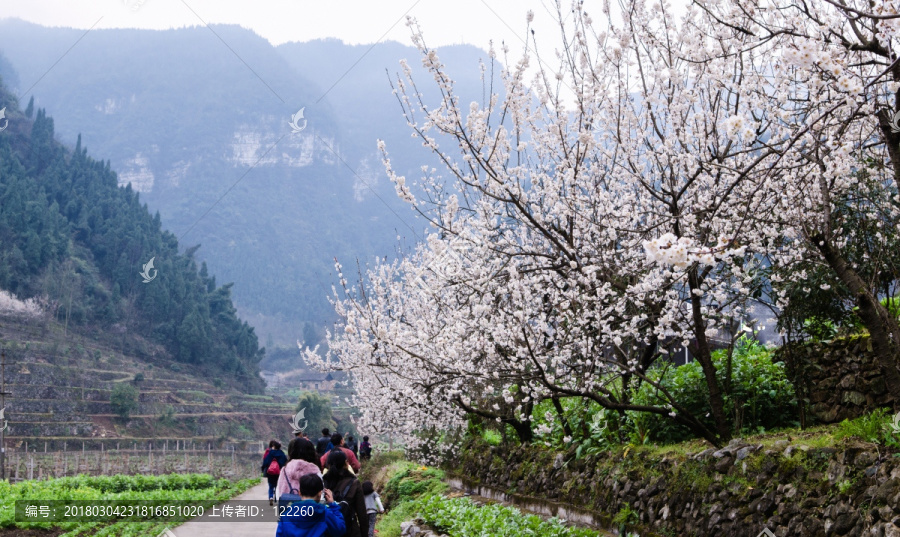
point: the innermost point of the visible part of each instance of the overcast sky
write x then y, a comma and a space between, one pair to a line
353, 21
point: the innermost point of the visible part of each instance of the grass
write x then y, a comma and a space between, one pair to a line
400, 483
461, 517
389, 524
820, 436
381, 466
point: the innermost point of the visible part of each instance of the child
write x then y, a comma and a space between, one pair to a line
309, 518
373, 505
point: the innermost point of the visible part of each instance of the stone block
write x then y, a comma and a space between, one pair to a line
854, 397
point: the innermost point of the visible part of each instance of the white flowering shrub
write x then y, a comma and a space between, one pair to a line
10, 305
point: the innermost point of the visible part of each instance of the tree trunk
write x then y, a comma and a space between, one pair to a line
884, 331
522, 427
523, 430
704, 356
562, 416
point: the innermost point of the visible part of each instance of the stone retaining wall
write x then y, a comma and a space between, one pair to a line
790, 488
841, 378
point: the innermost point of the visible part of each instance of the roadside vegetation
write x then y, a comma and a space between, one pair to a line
412, 491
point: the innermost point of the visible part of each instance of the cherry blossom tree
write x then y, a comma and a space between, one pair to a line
621, 205
835, 81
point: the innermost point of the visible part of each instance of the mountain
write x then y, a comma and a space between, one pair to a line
199, 125
99, 261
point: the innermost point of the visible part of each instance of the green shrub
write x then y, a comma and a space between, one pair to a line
167, 417
760, 397
411, 481
625, 517
124, 399
820, 329
492, 437
891, 303
844, 486
594, 428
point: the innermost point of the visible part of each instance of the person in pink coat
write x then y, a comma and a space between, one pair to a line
302, 460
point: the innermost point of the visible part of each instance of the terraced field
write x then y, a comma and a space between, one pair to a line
59, 397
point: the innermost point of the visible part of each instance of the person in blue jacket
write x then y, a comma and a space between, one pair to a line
273, 461
308, 517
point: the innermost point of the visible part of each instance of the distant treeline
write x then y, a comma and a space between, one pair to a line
70, 235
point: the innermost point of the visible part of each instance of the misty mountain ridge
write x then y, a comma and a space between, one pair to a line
208, 143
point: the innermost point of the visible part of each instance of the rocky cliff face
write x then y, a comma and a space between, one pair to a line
790, 488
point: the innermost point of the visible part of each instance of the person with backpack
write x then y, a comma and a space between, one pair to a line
273, 461
309, 518
352, 445
347, 490
338, 442
373, 505
365, 449
324, 445
302, 460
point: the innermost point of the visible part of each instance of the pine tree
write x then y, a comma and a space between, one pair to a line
71, 233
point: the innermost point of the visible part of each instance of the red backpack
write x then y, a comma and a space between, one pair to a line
274, 468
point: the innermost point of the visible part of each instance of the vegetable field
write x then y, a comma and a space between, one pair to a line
171, 487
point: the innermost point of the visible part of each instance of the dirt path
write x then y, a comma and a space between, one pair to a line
231, 529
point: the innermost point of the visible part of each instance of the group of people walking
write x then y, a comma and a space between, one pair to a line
317, 488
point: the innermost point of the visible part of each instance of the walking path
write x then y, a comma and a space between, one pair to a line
231, 528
